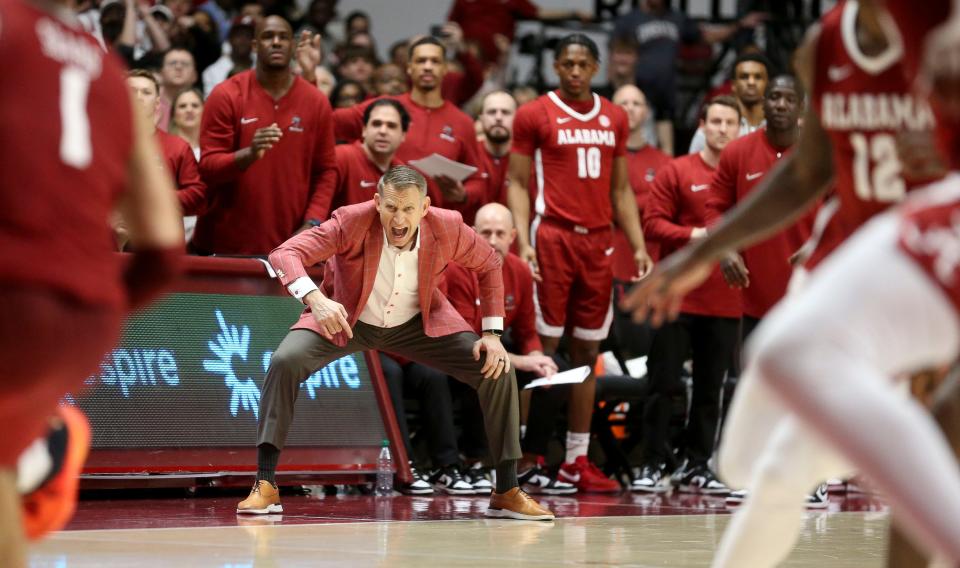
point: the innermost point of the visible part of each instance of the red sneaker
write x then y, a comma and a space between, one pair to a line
587, 477
50, 507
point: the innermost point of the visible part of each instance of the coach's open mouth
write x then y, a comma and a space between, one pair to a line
399, 233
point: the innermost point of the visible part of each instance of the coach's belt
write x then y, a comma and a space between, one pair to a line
580, 229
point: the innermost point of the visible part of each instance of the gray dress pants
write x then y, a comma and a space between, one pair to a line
303, 352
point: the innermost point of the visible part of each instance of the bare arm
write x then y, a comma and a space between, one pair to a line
149, 207
150, 210
128, 34
158, 37
518, 200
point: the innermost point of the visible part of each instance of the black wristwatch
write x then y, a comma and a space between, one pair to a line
497, 332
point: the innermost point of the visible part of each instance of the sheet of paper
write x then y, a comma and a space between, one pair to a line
572, 376
437, 165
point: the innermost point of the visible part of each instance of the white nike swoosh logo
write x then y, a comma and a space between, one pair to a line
564, 120
367, 183
836, 74
753, 176
696, 188
248, 120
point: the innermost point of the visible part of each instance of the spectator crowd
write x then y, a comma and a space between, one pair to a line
271, 114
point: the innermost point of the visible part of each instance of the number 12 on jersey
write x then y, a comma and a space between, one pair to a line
588, 163
876, 168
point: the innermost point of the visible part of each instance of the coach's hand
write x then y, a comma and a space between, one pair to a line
529, 254
330, 315
497, 362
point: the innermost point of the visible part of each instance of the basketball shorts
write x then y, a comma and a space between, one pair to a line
577, 270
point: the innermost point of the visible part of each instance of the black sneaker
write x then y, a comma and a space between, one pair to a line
819, 498
449, 480
536, 481
651, 478
480, 478
419, 485
699, 478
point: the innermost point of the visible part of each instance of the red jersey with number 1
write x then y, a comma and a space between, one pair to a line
863, 102
578, 142
66, 134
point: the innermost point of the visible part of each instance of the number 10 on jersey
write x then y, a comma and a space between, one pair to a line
588, 163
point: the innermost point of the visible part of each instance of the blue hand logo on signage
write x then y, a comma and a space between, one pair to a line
233, 341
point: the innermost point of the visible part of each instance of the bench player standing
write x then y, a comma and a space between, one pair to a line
578, 141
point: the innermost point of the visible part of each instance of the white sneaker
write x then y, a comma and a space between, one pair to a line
449, 480
535, 481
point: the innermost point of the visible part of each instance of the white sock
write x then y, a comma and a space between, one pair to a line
523, 430
577, 445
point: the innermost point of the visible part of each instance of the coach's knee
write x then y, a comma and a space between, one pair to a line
287, 365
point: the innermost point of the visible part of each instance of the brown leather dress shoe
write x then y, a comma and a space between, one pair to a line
264, 499
515, 504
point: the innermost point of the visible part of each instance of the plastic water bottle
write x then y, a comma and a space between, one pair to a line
384, 472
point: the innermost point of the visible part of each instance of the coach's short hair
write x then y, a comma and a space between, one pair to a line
402, 177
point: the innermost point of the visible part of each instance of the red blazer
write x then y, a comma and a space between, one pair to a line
351, 242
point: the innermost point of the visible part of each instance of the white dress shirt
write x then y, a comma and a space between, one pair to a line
394, 299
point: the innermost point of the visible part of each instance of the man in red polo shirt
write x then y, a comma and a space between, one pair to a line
496, 120
708, 322
436, 126
177, 155
764, 269
360, 165
266, 146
